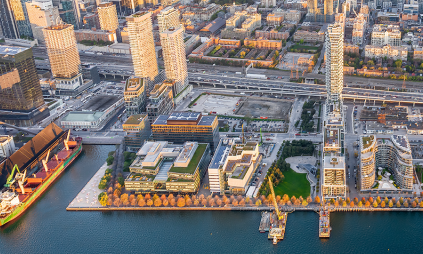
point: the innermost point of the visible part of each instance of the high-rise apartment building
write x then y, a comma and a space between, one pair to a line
41, 14
140, 31
328, 9
334, 177
20, 87
135, 95
312, 6
175, 63
20, 15
167, 18
334, 65
64, 56
108, 16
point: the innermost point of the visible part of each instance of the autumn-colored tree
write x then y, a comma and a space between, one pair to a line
317, 199
211, 202
378, 200
149, 202
141, 202
371, 200
421, 204
131, 197
242, 202
116, 193
301, 199
391, 204
278, 198
398, 204
247, 200
394, 200
172, 202
285, 198
124, 198
163, 197
227, 201
155, 197
297, 202
181, 202
219, 202
360, 204
170, 196
309, 199
363, 200
258, 202
133, 202
356, 200
233, 197
375, 204
110, 190
352, 204
406, 204
188, 202
157, 202
239, 197
332, 201
383, 204
118, 186
104, 199
165, 202
269, 198
117, 202
224, 198
293, 198
139, 196
263, 198
386, 200
414, 204
186, 197
348, 200
305, 203
235, 202
196, 202
201, 197
367, 204
289, 203
344, 203
336, 204
204, 202
147, 196
401, 200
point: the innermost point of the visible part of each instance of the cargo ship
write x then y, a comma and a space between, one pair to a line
24, 186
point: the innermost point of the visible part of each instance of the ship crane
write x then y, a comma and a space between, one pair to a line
11, 179
67, 141
21, 179
45, 161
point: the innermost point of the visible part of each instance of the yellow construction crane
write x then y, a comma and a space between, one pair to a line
280, 216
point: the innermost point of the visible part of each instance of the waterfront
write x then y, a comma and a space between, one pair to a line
48, 228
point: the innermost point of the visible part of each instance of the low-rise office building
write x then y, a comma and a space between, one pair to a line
160, 101
232, 167
309, 36
391, 52
179, 127
137, 130
7, 146
162, 167
135, 95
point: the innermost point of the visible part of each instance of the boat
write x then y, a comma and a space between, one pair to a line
277, 220
265, 222
324, 223
22, 190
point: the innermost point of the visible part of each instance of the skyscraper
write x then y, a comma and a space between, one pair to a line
20, 86
334, 65
312, 6
140, 30
328, 10
334, 177
108, 16
41, 14
175, 64
21, 17
167, 18
64, 57
7, 22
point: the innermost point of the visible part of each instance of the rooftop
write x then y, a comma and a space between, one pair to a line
184, 118
100, 102
221, 153
83, 116
135, 119
133, 84
11, 50
334, 162
193, 164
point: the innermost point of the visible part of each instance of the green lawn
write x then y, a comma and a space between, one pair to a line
304, 47
195, 160
294, 184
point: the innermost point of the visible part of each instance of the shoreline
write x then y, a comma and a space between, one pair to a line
310, 209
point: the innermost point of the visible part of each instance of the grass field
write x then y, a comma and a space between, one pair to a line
294, 184
304, 47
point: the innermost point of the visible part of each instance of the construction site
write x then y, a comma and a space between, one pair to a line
297, 62
265, 107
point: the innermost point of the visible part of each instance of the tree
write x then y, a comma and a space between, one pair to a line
348, 200
305, 203
352, 204
383, 204
124, 198
235, 202
285, 198
204, 202
317, 199
414, 204
356, 200
141, 202
181, 202
375, 204
293, 199
165, 202
188, 202
421, 204
344, 204
116, 193
302, 41
297, 202
367, 204
258, 202
378, 200
371, 199
401, 200
157, 202
139, 196
398, 63
405, 204
242, 202
110, 190
147, 196
211, 202
133, 202
117, 202
390, 204
172, 201
149, 202
309, 199
155, 197
163, 197
219, 202
103, 199
370, 63
398, 204
196, 202
110, 160
360, 204
386, 200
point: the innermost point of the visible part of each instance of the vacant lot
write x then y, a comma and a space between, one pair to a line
222, 105
272, 109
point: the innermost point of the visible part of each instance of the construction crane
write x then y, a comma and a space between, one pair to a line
278, 213
11, 179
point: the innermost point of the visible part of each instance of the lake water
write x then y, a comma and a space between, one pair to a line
48, 228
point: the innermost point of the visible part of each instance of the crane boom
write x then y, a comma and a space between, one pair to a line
10, 179
274, 199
